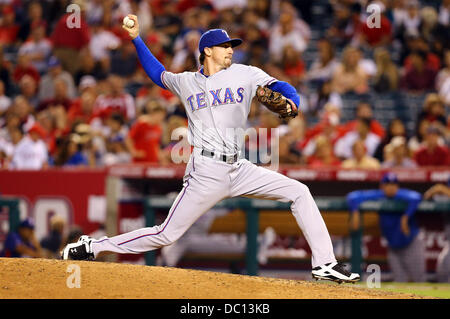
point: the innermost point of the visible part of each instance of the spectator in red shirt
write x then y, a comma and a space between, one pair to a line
82, 108
324, 154
25, 67
420, 77
432, 60
184, 5
144, 138
432, 154
378, 36
364, 111
8, 28
68, 40
116, 100
328, 126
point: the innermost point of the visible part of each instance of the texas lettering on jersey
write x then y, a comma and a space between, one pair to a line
219, 97
234, 87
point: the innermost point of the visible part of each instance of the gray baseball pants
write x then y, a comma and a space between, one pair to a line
208, 181
408, 264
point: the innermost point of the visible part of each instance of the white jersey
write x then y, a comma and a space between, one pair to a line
29, 154
217, 106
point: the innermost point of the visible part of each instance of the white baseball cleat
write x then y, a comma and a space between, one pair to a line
334, 272
81, 250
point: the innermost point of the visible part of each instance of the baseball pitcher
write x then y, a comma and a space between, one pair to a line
217, 100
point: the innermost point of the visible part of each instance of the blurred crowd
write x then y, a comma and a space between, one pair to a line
78, 96
22, 242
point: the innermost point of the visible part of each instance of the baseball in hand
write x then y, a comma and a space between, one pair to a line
128, 22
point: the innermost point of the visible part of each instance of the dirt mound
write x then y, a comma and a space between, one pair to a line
43, 278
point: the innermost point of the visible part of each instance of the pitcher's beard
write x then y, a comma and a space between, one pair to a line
226, 63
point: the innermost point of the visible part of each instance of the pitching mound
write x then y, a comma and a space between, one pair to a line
43, 278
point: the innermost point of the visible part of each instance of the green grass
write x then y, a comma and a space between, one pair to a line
421, 289
436, 290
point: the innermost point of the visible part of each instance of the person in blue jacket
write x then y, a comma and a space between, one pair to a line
406, 248
22, 243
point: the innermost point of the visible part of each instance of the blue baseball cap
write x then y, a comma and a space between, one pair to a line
215, 37
389, 178
27, 223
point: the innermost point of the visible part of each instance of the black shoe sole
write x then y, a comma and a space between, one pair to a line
339, 281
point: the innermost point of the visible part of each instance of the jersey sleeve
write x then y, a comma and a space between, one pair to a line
356, 198
151, 65
171, 81
413, 199
259, 77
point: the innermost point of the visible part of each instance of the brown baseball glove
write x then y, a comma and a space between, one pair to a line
276, 102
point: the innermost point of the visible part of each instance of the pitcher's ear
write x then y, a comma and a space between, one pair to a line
207, 51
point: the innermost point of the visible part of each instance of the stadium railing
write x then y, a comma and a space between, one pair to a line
12, 210
252, 207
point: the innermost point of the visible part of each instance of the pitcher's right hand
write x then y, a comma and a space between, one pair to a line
134, 30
